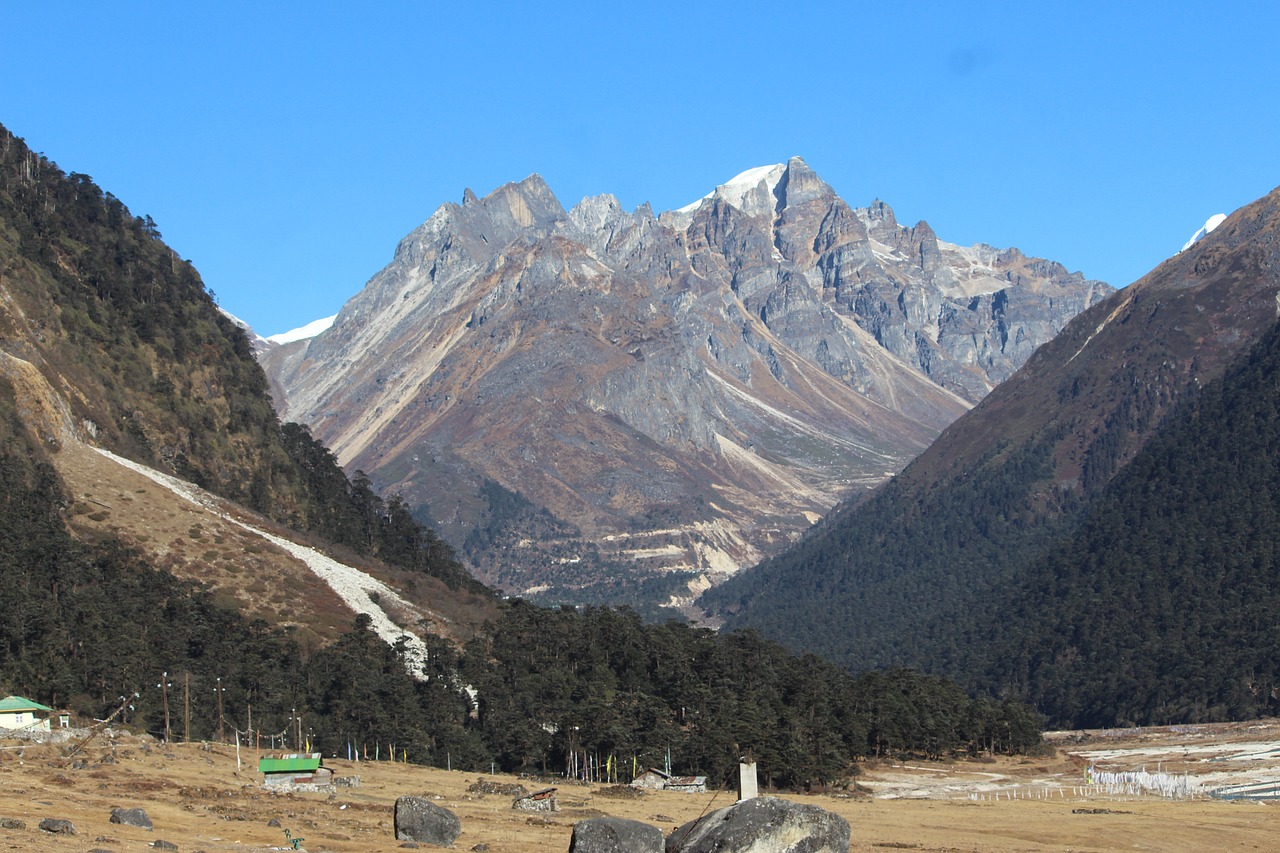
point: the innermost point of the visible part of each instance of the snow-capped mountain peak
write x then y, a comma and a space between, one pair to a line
1210, 224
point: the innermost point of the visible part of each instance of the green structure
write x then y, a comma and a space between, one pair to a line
298, 768
17, 712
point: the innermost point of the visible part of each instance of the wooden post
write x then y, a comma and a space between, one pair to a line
186, 714
220, 709
164, 695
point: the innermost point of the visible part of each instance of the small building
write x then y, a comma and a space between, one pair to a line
687, 784
17, 712
654, 779
296, 768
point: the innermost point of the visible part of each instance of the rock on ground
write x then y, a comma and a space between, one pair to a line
615, 835
58, 826
419, 819
131, 817
763, 823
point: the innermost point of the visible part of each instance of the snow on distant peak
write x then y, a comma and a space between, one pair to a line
1212, 223
310, 330
736, 189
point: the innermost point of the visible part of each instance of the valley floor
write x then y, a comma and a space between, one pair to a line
198, 799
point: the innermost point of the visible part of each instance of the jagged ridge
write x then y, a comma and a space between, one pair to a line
690, 389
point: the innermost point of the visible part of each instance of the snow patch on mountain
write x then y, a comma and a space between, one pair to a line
358, 590
301, 333
1205, 230
735, 190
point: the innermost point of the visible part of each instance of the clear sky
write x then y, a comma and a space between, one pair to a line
285, 148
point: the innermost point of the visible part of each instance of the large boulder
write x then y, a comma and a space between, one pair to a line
419, 819
131, 817
58, 826
763, 823
615, 835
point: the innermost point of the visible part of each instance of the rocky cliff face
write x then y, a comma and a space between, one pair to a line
587, 398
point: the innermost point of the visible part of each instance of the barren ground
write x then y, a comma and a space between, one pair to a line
198, 800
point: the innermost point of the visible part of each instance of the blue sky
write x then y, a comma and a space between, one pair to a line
286, 148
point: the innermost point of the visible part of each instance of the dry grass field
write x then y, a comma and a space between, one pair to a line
198, 799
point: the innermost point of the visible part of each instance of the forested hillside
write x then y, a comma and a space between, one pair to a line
126, 333
1162, 607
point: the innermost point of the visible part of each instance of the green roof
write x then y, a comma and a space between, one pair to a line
297, 763
17, 703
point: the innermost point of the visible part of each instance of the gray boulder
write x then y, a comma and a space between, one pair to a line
419, 819
615, 835
763, 823
58, 826
131, 817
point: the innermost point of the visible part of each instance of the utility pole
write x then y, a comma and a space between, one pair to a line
186, 714
219, 709
164, 695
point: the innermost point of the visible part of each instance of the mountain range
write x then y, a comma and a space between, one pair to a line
596, 405
1097, 535
162, 532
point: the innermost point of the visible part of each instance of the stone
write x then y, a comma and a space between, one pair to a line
763, 823
58, 826
615, 835
11, 823
538, 801
131, 817
161, 844
419, 819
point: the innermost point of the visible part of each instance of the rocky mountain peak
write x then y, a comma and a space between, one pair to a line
692, 390
799, 185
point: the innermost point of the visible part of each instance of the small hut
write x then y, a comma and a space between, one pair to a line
654, 779
297, 768
687, 784
17, 712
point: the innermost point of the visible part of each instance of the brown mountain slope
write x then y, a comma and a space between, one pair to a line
1105, 383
